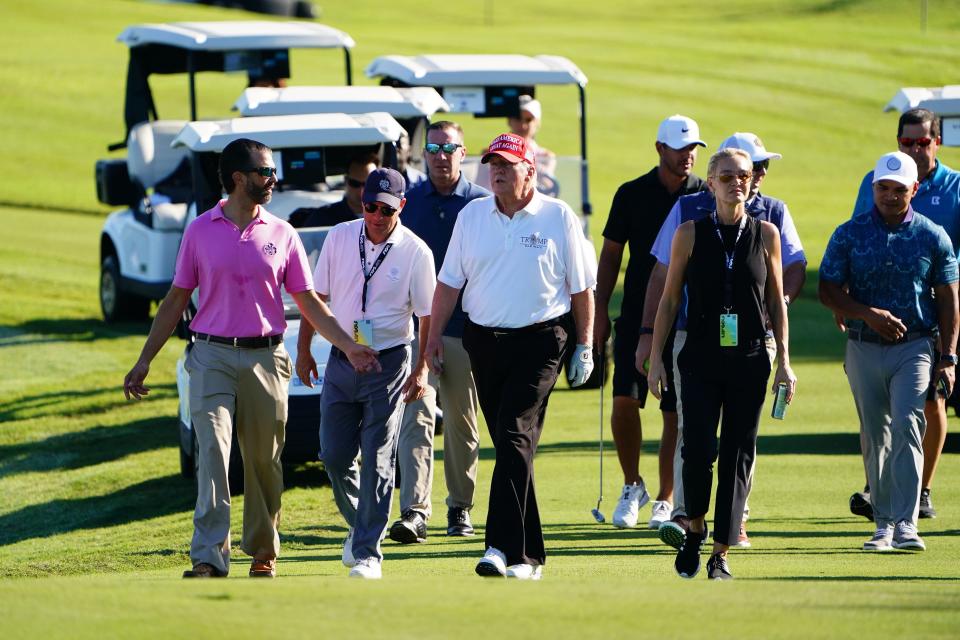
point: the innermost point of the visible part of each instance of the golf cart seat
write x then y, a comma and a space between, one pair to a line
154, 165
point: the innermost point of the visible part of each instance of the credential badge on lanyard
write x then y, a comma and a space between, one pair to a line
363, 328
729, 334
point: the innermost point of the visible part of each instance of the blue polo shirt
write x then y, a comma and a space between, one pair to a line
892, 268
431, 215
938, 198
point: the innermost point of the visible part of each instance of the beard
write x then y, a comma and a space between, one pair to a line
260, 195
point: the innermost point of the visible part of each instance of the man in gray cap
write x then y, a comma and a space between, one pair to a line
376, 275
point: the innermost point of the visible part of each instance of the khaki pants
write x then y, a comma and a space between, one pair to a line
461, 438
244, 389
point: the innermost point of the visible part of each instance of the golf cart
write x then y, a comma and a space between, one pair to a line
138, 244
490, 86
311, 153
943, 101
412, 107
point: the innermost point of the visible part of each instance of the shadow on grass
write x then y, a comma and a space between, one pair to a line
51, 330
91, 447
143, 501
896, 578
41, 405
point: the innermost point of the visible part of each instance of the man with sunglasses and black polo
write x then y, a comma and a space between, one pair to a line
346, 209
376, 275
937, 198
239, 255
792, 258
430, 212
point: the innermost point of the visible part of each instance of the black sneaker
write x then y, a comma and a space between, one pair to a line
926, 506
860, 505
717, 568
410, 528
458, 522
687, 564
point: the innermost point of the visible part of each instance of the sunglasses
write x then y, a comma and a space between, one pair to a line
726, 178
373, 207
446, 147
762, 165
909, 142
265, 172
353, 183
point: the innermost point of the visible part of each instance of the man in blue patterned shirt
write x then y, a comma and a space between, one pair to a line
878, 272
938, 198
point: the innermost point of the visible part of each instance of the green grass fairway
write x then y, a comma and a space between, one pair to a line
95, 520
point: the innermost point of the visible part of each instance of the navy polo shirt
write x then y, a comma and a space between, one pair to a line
938, 198
892, 268
431, 215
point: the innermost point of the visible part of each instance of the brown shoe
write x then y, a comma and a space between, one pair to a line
204, 570
263, 568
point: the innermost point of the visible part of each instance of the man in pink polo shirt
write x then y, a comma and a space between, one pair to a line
239, 255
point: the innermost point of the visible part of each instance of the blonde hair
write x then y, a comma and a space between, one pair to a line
729, 152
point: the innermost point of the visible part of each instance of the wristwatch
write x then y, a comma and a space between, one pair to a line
949, 357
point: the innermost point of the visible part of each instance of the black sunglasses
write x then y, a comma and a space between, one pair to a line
373, 207
353, 183
265, 172
447, 147
763, 164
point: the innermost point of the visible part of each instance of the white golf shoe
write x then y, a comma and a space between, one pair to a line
493, 564
347, 558
628, 506
525, 571
367, 569
660, 513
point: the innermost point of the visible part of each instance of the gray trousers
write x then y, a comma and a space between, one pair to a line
679, 506
360, 414
461, 438
889, 385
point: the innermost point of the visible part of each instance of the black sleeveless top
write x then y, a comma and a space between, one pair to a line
705, 279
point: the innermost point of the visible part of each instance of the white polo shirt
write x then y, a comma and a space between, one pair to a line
517, 271
402, 285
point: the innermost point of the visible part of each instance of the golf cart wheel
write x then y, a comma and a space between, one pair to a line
118, 305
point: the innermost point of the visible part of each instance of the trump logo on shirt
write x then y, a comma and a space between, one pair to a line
270, 249
533, 241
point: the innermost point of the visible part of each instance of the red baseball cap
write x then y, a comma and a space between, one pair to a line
510, 147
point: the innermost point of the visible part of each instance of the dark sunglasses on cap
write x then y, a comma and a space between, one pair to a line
762, 165
354, 183
726, 178
447, 147
909, 142
373, 207
265, 172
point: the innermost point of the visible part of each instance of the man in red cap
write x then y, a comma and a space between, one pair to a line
519, 257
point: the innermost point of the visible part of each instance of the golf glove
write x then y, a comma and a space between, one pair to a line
581, 365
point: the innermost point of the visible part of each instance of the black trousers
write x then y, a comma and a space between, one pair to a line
515, 371
735, 387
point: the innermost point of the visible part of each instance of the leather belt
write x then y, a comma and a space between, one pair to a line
861, 335
336, 353
531, 328
260, 342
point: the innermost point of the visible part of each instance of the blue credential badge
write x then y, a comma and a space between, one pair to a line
728, 330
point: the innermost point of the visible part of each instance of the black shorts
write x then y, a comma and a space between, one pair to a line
629, 382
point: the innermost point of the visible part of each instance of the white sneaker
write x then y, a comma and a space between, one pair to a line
367, 568
881, 541
660, 513
347, 558
628, 507
525, 571
905, 537
493, 564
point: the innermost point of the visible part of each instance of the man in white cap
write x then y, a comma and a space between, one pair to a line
637, 213
891, 273
793, 260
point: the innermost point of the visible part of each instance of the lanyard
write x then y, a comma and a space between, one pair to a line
373, 269
728, 260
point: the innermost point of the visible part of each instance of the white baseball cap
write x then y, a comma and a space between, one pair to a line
750, 143
679, 131
896, 166
528, 104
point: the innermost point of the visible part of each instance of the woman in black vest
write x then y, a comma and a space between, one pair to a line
730, 265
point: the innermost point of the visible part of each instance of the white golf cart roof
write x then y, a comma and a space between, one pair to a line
477, 70
237, 35
278, 132
943, 101
413, 102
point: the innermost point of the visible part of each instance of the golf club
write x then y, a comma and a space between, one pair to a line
597, 515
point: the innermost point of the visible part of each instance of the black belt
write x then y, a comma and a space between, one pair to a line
530, 328
260, 342
861, 335
336, 353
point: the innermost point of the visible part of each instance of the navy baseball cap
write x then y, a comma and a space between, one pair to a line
384, 185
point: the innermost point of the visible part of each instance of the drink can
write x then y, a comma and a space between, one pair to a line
780, 402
